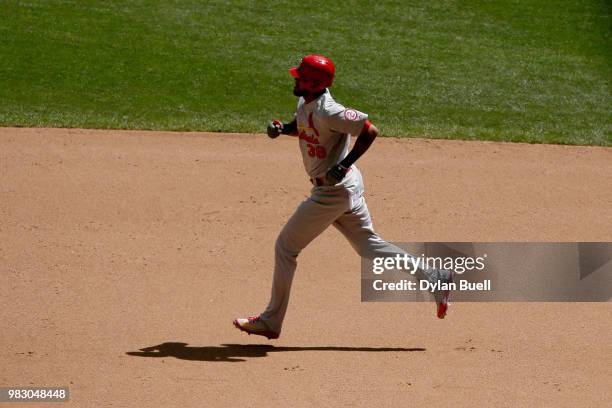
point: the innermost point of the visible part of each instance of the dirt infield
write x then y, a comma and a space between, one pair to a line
116, 241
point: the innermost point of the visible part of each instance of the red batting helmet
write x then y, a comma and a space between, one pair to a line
317, 71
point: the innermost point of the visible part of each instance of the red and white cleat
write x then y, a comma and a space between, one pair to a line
442, 308
254, 325
442, 305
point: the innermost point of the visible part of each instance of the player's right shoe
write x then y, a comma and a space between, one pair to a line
443, 298
254, 325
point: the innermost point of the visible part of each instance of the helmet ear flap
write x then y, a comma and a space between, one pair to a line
316, 85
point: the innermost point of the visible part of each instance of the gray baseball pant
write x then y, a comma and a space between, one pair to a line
343, 206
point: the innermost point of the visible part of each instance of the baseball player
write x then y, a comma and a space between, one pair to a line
323, 128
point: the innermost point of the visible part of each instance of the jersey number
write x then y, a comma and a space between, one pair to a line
318, 151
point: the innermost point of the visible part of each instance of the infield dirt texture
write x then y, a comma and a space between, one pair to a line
116, 241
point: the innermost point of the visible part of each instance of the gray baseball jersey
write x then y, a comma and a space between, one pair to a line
324, 129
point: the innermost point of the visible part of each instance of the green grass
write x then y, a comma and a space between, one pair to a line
515, 70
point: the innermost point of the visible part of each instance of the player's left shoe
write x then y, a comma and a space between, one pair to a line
443, 298
254, 325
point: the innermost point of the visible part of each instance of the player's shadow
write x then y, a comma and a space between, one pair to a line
238, 352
